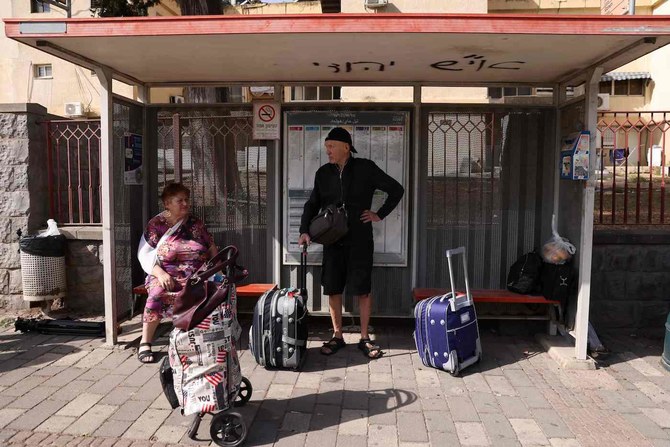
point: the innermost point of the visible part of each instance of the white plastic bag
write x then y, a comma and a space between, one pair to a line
52, 229
557, 250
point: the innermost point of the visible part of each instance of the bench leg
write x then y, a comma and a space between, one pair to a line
554, 319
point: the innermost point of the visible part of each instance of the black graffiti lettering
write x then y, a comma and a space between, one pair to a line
351, 66
380, 66
497, 65
444, 65
475, 59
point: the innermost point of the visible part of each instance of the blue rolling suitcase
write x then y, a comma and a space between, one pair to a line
446, 331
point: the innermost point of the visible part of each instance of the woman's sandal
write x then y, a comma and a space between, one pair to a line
332, 346
371, 350
147, 355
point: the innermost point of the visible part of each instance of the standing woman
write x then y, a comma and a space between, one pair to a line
174, 245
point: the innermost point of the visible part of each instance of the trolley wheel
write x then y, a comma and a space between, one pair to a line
453, 357
195, 424
244, 394
228, 429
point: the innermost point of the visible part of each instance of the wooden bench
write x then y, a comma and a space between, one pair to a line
553, 314
245, 291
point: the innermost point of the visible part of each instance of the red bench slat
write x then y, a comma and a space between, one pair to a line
486, 296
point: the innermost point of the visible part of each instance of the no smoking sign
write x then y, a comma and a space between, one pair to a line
266, 120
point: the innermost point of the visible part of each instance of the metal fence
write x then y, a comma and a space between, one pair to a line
631, 170
73, 162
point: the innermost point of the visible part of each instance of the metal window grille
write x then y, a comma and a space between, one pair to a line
73, 163
631, 170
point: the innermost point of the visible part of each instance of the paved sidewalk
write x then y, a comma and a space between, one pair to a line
66, 391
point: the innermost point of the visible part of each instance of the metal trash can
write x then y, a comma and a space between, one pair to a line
43, 267
665, 358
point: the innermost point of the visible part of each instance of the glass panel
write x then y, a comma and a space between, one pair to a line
311, 93
509, 91
337, 92
606, 87
524, 91
636, 87
620, 87
325, 93
495, 92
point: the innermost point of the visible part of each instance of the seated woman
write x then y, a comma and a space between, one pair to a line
174, 245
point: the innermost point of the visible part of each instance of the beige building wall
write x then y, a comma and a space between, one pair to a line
404, 94
69, 83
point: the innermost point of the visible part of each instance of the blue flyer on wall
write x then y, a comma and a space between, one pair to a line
133, 156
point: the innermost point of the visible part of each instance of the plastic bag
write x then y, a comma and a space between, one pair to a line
557, 250
52, 229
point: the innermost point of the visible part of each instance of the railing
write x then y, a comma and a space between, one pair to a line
73, 163
631, 169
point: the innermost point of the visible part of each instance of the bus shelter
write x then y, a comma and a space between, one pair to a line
488, 177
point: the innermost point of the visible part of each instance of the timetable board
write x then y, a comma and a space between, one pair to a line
382, 137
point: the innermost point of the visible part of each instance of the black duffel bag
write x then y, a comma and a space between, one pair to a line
329, 226
524, 275
46, 246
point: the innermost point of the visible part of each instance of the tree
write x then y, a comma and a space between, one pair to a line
223, 147
121, 8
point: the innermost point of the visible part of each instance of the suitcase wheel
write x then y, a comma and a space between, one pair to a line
228, 429
453, 360
244, 394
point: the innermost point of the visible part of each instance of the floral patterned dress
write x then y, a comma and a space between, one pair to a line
180, 255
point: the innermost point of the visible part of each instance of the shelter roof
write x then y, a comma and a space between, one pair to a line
367, 49
625, 75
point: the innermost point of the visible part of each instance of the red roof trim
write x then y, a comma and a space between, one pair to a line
354, 23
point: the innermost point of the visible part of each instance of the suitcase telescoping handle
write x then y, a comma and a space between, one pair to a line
302, 270
451, 253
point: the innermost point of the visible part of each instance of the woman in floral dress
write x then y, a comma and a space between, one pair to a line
175, 244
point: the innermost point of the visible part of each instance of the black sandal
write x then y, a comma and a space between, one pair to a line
142, 356
371, 350
332, 346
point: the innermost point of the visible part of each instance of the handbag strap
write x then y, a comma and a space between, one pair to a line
220, 261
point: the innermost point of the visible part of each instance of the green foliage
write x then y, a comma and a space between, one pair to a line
121, 8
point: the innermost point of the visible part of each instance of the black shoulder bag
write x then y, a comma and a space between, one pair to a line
330, 225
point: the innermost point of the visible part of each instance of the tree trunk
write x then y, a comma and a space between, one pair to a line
223, 146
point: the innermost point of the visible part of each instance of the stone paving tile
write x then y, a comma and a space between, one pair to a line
498, 428
412, 428
529, 432
472, 433
382, 435
56, 424
353, 422
35, 416
91, 420
147, 424
322, 438
79, 405
33, 397
462, 409
7, 415
485, 403
345, 440
551, 423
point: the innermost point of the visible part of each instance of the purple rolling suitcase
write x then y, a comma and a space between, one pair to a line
446, 331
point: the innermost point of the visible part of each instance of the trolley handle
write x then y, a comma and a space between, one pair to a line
450, 253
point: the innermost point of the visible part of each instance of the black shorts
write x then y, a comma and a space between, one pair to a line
347, 266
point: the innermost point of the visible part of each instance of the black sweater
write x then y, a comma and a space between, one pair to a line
360, 178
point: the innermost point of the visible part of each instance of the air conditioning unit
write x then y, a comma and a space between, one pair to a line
375, 3
176, 99
74, 109
603, 101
